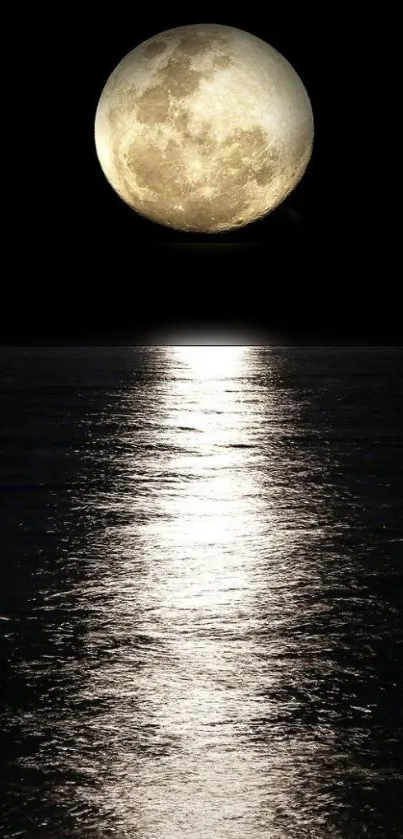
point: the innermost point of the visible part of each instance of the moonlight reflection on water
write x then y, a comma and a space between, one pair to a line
206, 534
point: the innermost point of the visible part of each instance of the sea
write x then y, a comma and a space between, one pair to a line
201, 592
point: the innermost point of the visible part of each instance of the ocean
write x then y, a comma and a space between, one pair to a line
201, 592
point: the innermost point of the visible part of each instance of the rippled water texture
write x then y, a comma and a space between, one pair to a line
201, 592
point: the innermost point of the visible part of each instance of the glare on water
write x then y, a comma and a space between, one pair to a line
213, 556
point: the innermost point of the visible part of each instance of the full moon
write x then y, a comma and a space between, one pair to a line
204, 128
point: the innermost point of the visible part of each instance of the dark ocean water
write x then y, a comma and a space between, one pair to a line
201, 593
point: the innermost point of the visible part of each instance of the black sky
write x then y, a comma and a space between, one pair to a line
85, 267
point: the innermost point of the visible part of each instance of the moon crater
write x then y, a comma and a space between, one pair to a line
204, 128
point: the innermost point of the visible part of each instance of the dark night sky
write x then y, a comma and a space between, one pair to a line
88, 268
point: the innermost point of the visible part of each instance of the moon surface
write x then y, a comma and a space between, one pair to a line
204, 128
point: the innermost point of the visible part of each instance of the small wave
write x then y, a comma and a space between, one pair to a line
189, 428
241, 446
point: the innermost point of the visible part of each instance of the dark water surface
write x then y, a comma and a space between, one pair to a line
201, 592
